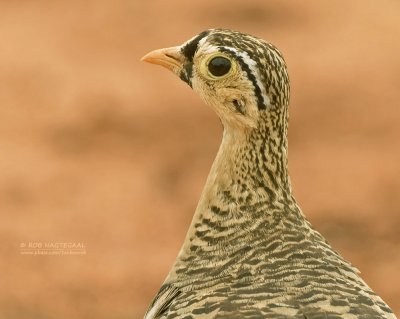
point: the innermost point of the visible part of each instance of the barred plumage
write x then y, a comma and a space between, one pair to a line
250, 252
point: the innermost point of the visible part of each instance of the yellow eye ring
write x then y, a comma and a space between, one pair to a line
217, 66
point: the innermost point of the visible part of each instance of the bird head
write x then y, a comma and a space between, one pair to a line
241, 77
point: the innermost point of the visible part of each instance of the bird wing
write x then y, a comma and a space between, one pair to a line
162, 301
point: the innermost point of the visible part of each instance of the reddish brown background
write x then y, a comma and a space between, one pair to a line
97, 147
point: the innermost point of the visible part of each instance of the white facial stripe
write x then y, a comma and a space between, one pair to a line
201, 42
205, 48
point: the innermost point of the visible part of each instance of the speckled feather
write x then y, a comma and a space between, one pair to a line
250, 252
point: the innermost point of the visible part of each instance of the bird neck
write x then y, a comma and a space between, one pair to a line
251, 165
253, 158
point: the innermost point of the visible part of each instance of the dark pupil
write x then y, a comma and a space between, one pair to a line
219, 66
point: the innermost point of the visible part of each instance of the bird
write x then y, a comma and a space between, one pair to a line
250, 252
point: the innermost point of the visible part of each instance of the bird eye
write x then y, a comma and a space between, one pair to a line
219, 66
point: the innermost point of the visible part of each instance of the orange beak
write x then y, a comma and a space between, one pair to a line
170, 58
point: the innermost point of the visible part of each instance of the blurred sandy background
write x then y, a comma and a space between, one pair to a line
99, 148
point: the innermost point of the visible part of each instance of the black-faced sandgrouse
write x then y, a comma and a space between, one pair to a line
249, 251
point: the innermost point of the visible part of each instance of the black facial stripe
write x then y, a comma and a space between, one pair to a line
186, 73
190, 48
251, 77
